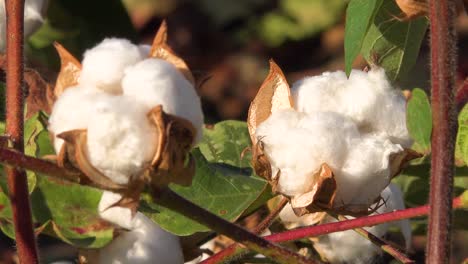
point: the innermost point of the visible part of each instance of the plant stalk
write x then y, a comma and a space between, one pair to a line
313, 231
16, 178
167, 198
262, 226
442, 14
381, 243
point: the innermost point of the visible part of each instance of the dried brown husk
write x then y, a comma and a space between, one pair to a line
411, 9
274, 94
161, 50
172, 162
321, 195
70, 71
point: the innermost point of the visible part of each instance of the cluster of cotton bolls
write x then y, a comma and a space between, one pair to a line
349, 246
118, 86
33, 19
353, 125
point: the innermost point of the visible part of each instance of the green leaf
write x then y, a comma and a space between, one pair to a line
69, 211
226, 142
298, 19
419, 120
359, 16
461, 149
392, 44
222, 189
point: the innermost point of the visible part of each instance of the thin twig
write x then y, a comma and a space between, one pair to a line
380, 242
442, 14
16, 178
323, 229
167, 198
222, 257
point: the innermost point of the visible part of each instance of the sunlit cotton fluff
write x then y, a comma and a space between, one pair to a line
144, 242
71, 111
366, 97
155, 82
366, 170
104, 64
121, 141
297, 144
348, 246
33, 19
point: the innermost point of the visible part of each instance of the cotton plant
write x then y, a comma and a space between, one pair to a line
33, 18
349, 246
126, 117
330, 143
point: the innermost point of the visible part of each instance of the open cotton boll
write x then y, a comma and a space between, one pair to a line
155, 82
368, 98
297, 144
121, 141
104, 65
72, 111
144, 50
33, 19
145, 242
349, 247
366, 170
116, 215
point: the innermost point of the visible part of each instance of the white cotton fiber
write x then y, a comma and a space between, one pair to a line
104, 65
116, 215
350, 247
297, 144
144, 242
155, 82
72, 111
366, 97
121, 141
365, 171
33, 19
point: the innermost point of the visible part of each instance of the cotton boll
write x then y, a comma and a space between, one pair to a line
72, 111
104, 65
297, 144
145, 242
144, 50
116, 215
121, 141
33, 19
366, 171
318, 93
349, 247
155, 82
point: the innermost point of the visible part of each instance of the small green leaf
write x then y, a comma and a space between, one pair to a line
222, 189
464, 199
393, 44
419, 120
226, 142
359, 16
461, 150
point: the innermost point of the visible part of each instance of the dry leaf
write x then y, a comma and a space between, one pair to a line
412, 9
273, 95
320, 197
161, 50
172, 161
70, 70
40, 94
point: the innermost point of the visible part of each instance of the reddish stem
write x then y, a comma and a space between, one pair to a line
443, 68
462, 95
17, 180
313, 231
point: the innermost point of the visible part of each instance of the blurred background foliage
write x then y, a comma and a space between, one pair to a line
227, 44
